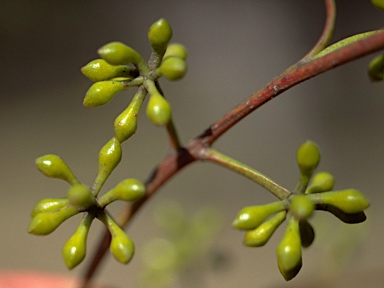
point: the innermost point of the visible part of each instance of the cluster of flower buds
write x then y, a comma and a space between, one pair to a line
122, 67
263, 220
49, 213
119, 68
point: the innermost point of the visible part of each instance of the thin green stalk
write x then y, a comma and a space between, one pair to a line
252, 174
327, 33
302, 184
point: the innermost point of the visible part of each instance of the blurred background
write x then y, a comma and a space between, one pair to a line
235, 47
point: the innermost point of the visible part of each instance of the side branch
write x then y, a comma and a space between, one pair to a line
300, 72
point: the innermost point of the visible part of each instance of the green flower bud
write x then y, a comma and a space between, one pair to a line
378, 4
349, 201
260, 236
127, 190
252, 216
117, 53
307, 234
176, 50
100, 93
159, 35
80, 196
122, 247
321, 182
289, 251
158, 110
376, 68
53, 166
46, 222
301, 207
99, 70
49, 205
173, 68
109, 157
75, 248
126, 123
308, 157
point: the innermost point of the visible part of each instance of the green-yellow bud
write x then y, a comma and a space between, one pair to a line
321, 182
75, 248
307, 234
252, 216
99, 70
173, 68
159, 110
301, 207
260, 236
49, 205
53, 166
176, 50
127, 190
126, 123
80, 196
100, 93
308, 157
378, 3
159, 35
46, 222
117, 53
122, 247
349, 201
376, 68
109, 157
289, 251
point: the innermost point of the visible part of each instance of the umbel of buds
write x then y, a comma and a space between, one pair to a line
48, 214
314, 193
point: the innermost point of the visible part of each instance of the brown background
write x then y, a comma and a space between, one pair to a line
234, 47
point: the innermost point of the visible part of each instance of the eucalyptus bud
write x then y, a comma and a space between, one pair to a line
46, 222
121, 247
159, 110
289, 251
109, 157
99, 70
308, 157
127, 190
75, 248
176, 50
117, 53
49, 205
321, 182
53, 166
301, 207
349, 201
173, 68
126, 123
260, 236
80, 196
159, 35
252, 216
100, 93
